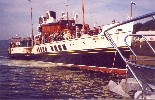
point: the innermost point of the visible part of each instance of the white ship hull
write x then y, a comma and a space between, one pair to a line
93, 50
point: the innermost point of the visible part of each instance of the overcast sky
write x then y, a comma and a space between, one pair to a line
15, 14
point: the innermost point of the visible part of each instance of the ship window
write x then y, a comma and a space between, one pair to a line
43, 49
59, 46
25, 43
55, 47
64, 47
40, 49
52, 48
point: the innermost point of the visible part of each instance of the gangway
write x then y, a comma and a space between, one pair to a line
130, 63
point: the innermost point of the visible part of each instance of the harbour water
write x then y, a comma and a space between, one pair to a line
30, 80
38, 80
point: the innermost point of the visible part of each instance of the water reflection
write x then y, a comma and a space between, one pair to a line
53, 82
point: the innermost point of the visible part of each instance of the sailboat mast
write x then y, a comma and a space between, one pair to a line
83, 23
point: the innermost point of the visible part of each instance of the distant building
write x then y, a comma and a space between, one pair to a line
149, 38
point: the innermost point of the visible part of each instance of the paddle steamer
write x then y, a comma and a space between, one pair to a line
67, 42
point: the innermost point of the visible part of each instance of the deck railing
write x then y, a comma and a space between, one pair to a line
131, 63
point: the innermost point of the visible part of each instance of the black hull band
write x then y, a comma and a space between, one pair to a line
102, 59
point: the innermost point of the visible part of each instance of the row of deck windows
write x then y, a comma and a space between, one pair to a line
53, 48
42, 49
58, 48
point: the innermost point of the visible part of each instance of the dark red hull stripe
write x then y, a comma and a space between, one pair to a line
101, 69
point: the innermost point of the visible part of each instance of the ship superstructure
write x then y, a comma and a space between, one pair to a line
64, 41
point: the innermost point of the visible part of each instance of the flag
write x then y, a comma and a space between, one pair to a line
133, 3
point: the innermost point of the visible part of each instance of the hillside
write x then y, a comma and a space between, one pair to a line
147, 26
142, 48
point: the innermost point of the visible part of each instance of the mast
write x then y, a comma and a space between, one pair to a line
67, 10
32, 36
83, 23
130, 8
131, 3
